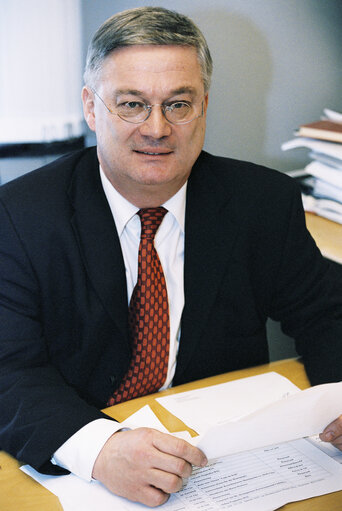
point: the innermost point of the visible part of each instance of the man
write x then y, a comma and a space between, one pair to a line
232, 245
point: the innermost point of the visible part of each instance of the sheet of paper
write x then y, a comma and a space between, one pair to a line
332, 115
303, 414
269, 405
75, 494
202, 408
327, 209
325, 173
258, 480
330, 148
327, 448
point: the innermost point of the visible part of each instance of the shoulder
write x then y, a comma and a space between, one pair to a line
51, 179
41, 197
240, 170
244, 179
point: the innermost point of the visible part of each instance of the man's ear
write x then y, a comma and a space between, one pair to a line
206, 101
88, 107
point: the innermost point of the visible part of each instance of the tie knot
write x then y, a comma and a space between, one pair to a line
151, 219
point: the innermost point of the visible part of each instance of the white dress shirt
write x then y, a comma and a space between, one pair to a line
78, 454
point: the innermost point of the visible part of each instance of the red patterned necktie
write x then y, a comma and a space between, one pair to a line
148, 317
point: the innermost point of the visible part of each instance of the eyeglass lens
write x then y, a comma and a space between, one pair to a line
176, 113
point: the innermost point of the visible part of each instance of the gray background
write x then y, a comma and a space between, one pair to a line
277, 64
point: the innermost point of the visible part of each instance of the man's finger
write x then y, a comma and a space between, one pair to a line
332, 431
165, 481
150, 496
172, 464
180, 448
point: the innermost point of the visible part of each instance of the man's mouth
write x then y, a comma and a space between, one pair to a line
154, 153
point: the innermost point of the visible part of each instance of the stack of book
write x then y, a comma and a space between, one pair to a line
321, 180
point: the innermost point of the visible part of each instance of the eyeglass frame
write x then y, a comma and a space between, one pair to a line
149, 108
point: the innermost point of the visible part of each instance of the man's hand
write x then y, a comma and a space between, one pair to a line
145, 465
333, 433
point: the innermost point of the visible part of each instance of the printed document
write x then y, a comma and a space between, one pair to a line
257, 479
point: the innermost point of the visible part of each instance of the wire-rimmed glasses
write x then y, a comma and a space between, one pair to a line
137, 112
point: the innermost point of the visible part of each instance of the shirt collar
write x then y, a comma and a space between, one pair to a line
123, 210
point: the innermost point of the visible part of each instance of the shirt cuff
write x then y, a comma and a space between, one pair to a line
78, 454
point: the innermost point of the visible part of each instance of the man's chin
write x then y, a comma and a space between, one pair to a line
153, 175
153, 181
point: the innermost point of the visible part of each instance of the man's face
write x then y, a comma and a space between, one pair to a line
155, 156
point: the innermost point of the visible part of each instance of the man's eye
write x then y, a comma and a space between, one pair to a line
180, 104
132, 105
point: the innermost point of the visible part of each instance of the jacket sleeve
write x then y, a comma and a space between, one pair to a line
38, 410
308, 300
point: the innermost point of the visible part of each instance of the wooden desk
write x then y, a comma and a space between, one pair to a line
18, 492
327, 234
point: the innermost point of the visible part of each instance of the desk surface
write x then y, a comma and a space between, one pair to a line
18, 492
327, 234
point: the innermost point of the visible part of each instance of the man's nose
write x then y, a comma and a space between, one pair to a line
156, 125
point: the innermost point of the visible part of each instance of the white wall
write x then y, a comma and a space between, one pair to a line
277, 64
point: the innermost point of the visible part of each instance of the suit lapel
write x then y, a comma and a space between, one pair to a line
98, 241
211, 228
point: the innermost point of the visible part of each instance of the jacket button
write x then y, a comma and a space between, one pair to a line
113, 380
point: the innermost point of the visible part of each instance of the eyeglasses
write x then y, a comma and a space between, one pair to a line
137, 112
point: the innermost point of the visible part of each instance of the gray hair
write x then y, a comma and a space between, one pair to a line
142, 26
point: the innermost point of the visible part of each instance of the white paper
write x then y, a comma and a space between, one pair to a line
260, 480
327, 209
329, 148
281, 412
327, 160
326, 173
256, 480
202, 408
327, 191
303, 414
327, 448
332, 115
75, 494
144, 418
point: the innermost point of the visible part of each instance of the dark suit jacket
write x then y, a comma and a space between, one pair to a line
63, 301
